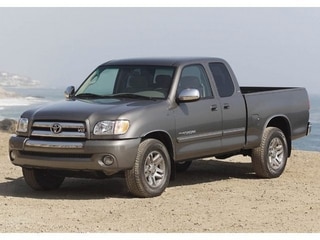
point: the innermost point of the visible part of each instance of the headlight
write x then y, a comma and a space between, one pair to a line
111, 127
22, 125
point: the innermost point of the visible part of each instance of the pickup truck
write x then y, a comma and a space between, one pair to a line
147, 118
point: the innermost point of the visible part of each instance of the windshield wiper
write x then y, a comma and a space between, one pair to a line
131, 95
88, 95
117, 95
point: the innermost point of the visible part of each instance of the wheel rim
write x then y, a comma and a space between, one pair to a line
154, 169
276, 154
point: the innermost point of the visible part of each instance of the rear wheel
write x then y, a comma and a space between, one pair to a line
151, 172
41, 179
270, 159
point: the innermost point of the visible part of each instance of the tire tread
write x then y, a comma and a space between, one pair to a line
258, 154
133, 176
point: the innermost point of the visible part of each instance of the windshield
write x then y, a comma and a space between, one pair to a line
128, 81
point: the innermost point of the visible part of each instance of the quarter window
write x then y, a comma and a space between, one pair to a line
222, 79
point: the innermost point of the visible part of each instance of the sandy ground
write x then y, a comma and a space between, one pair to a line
212, 196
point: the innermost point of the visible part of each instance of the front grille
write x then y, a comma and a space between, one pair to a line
50, 129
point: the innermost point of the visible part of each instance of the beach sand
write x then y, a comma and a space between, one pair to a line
212, 196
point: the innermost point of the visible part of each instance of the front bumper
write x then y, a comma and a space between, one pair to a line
80, 155
309, 128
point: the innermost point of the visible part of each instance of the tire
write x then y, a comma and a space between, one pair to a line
41, 179
270, 159
152, 169
183, 166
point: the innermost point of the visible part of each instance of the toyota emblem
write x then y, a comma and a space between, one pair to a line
56, 128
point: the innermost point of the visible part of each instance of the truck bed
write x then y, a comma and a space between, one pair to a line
252, 89
265, 103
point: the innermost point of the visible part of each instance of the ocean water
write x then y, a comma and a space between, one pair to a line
12, 108
28, 97
311, 142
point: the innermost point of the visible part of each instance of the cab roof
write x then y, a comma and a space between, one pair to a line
162, 61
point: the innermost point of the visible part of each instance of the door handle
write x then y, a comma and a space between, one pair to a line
214, 107
226, 106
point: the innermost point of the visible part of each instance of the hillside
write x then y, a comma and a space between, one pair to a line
15, 80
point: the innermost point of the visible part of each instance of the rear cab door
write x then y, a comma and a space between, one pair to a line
232, 104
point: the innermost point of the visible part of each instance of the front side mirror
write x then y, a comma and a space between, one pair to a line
189, 95
69, 92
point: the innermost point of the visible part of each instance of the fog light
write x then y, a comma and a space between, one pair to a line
108, 160
12, 155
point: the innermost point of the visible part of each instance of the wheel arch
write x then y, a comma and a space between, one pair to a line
163, 137
283, 124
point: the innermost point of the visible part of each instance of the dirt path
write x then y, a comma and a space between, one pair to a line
212, 196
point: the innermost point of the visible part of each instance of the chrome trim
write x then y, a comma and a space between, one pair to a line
234, 131
309, 128
63, 125
42, 133
56, 128
201, 136
66, 129
52, 144
189, 94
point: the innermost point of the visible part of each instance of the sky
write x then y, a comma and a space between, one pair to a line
62, 46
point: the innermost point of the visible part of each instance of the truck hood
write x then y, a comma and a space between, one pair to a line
81, 110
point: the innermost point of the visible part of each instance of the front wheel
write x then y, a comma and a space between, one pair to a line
270, 159
41, 179
151, 172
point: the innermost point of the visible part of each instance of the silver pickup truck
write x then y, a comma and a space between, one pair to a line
148, 118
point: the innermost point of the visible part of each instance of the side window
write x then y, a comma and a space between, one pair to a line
222, 79
194, 76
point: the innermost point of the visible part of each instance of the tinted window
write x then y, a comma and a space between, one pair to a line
101, 82
149, 81
194, 76
222, 79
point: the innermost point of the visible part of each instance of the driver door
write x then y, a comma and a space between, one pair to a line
198, 123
